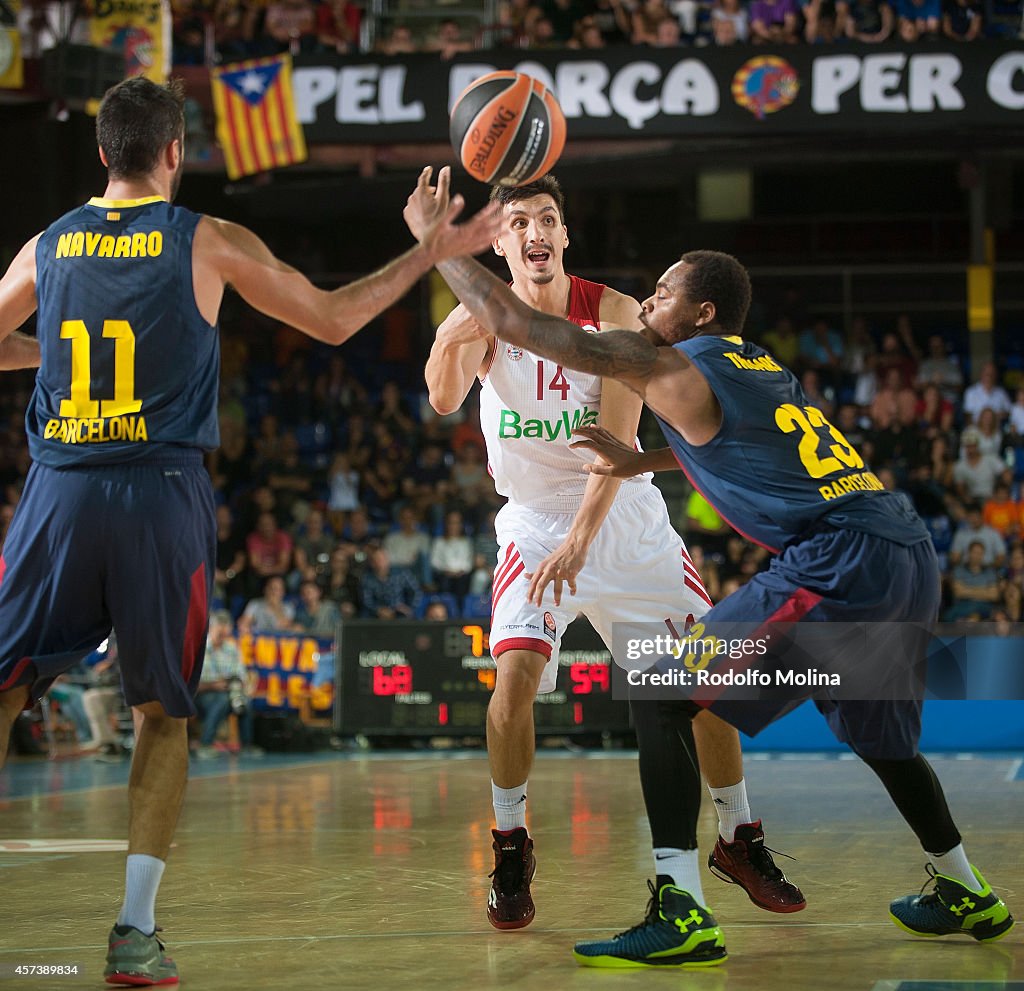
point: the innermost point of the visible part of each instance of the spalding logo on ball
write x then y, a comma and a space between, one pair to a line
507, 128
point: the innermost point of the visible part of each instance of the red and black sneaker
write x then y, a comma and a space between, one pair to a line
509, 905
748, 862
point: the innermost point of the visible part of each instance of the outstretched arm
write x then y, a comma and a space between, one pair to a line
620, 460
618, 354
17, 304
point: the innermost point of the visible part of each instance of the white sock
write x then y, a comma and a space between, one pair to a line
954, 864
509, 806
682, 866
142, 879
732, 807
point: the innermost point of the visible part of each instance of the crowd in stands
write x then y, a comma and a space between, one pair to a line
339, 498
207, 31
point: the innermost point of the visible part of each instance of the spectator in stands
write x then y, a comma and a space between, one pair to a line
472, 486
1002, 513
68, 693
291, 25
317, 616
358, 442
451, 558
1015, 566
448, 41
821, 348
782, 342
976, 586
231, 464
269, 549
359, 535
381, 489
987, 393
267, 446
646, 17
230, 573
894, 354
612, 20
894, 400
919, 19
668, 34
1017, 414
818, 394
940, 369
103, 701
563, 15
336, 391
270, 613
291, 480
409, 546
436, 611
586, 35
342, 586
393, 411
975, 474
343, 482
234, 26
825, 21
337, 26
516, 19
398, 41
188, 25
734, 14
314, 545
990, 437
775, 22
223, 689
973, 530
940, 458
388, 593
934, 411
541, 35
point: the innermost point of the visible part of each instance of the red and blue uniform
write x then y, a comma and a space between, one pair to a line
847, 550
116, 528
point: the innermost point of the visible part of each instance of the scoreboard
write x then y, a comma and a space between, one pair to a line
435, 679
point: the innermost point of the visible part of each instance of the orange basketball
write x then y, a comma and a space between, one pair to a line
507, 128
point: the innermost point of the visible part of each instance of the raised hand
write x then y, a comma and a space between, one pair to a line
430, 214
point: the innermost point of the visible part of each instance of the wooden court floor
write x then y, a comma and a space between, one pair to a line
352, 873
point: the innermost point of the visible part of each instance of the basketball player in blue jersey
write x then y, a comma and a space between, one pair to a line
610, 542
116, 525
741, 427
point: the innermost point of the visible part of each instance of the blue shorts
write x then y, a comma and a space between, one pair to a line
130, 547
842, 576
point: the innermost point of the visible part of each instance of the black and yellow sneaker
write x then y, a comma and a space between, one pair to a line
676, 932
951, 908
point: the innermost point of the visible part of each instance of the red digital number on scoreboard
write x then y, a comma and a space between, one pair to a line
589, 678
392, 681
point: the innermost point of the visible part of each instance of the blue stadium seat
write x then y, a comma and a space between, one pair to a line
476, 606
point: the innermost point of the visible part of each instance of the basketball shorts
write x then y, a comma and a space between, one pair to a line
843, 577
129, 547
637, 571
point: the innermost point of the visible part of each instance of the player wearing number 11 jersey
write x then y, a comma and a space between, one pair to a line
116, 524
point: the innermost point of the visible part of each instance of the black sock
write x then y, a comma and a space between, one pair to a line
914, 787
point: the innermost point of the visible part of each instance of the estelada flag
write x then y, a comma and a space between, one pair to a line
256, 122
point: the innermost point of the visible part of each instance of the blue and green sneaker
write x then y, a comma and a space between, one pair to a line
676, 932
952, 907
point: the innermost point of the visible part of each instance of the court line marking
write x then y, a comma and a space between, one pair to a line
1014, 773
175, 943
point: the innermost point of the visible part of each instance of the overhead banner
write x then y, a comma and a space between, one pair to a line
629, 92
139, 28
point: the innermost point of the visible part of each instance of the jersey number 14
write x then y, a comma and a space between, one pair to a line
557, 384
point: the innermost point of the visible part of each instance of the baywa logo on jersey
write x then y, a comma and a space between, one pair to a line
549, 626
514, 353
511, 425
764, 85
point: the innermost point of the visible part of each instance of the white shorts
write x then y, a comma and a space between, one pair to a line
637, 571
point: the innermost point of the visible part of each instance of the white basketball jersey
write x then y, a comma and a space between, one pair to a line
529, 407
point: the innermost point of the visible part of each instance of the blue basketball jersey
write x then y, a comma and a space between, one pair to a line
777, 467
130, 369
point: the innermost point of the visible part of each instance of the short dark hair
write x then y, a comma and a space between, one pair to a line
718, 278
544, 186
136, 121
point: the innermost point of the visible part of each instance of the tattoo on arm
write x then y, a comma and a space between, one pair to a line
615, 353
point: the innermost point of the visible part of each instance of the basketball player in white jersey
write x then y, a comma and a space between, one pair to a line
608, 541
